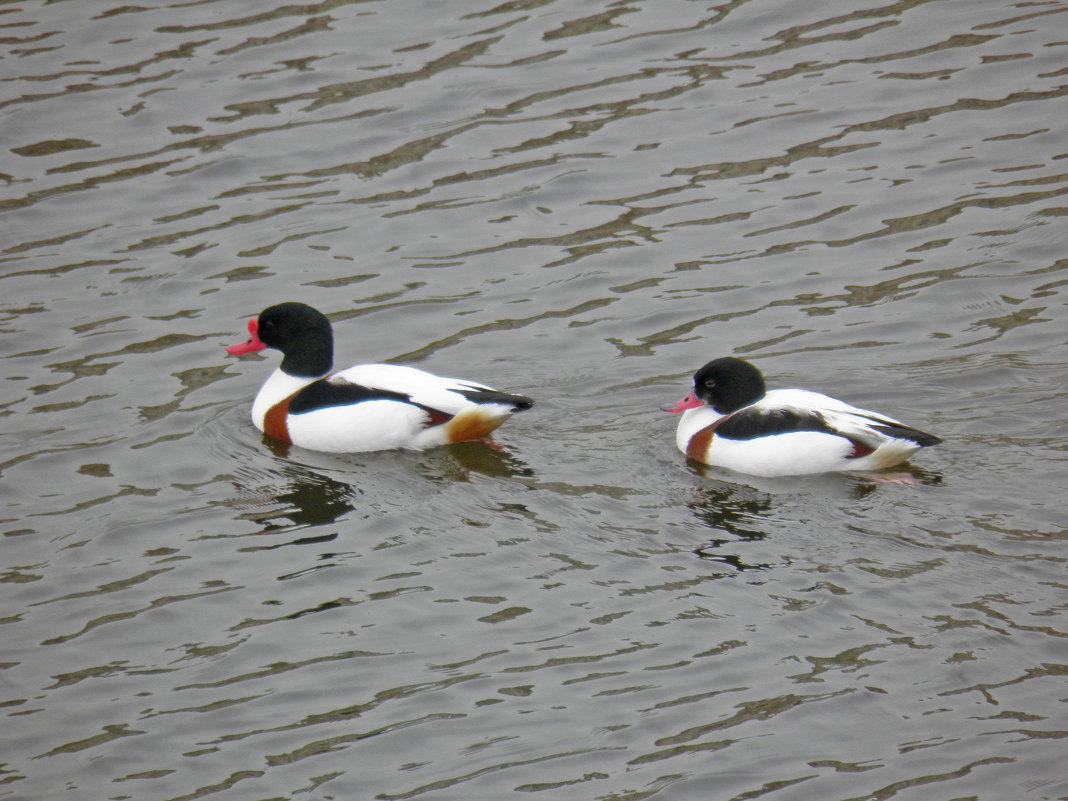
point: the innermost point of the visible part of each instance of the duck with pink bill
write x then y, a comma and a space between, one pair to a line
731, 420
369, 407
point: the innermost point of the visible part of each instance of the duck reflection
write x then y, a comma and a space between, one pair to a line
745, 512
736, 510
906, 474
455, 461
302, 496
306, 498
487, 458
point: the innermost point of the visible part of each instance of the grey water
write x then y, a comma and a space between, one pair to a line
582, 202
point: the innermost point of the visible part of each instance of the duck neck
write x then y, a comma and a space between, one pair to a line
309, 358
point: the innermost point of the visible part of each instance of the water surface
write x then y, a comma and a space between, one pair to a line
584, 203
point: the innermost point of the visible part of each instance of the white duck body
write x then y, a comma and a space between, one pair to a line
370, 407
731, 421
795, 452
382, 423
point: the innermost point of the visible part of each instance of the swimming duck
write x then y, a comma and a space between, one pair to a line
731, 421
369, 407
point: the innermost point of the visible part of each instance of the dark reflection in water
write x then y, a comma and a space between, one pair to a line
489, 460
305, 498
749, 514
299, 496
735, 510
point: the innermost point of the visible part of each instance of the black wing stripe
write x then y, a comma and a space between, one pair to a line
755, 423
493, 396
904, 432
323, 394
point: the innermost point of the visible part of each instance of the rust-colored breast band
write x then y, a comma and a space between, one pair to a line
697, 447
274, 422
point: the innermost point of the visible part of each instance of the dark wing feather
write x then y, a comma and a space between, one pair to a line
327, 392
486, 395
324, 393
899, 431
754, 422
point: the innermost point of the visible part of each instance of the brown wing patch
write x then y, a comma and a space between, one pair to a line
274, 422
860, 450
436, 417
472, 424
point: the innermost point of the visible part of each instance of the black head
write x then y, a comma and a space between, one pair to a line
302, 333
728, 384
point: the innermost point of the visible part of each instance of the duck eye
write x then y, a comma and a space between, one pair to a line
710, 383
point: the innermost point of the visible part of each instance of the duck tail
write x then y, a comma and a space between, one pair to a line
518, 403
897, 431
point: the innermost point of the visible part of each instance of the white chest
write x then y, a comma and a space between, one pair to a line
276, 389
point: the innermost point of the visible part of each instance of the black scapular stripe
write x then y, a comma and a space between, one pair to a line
323, 394
493, 396
755, 423
921, 438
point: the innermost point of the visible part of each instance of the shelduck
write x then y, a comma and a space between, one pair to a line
369, 407
731, 421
